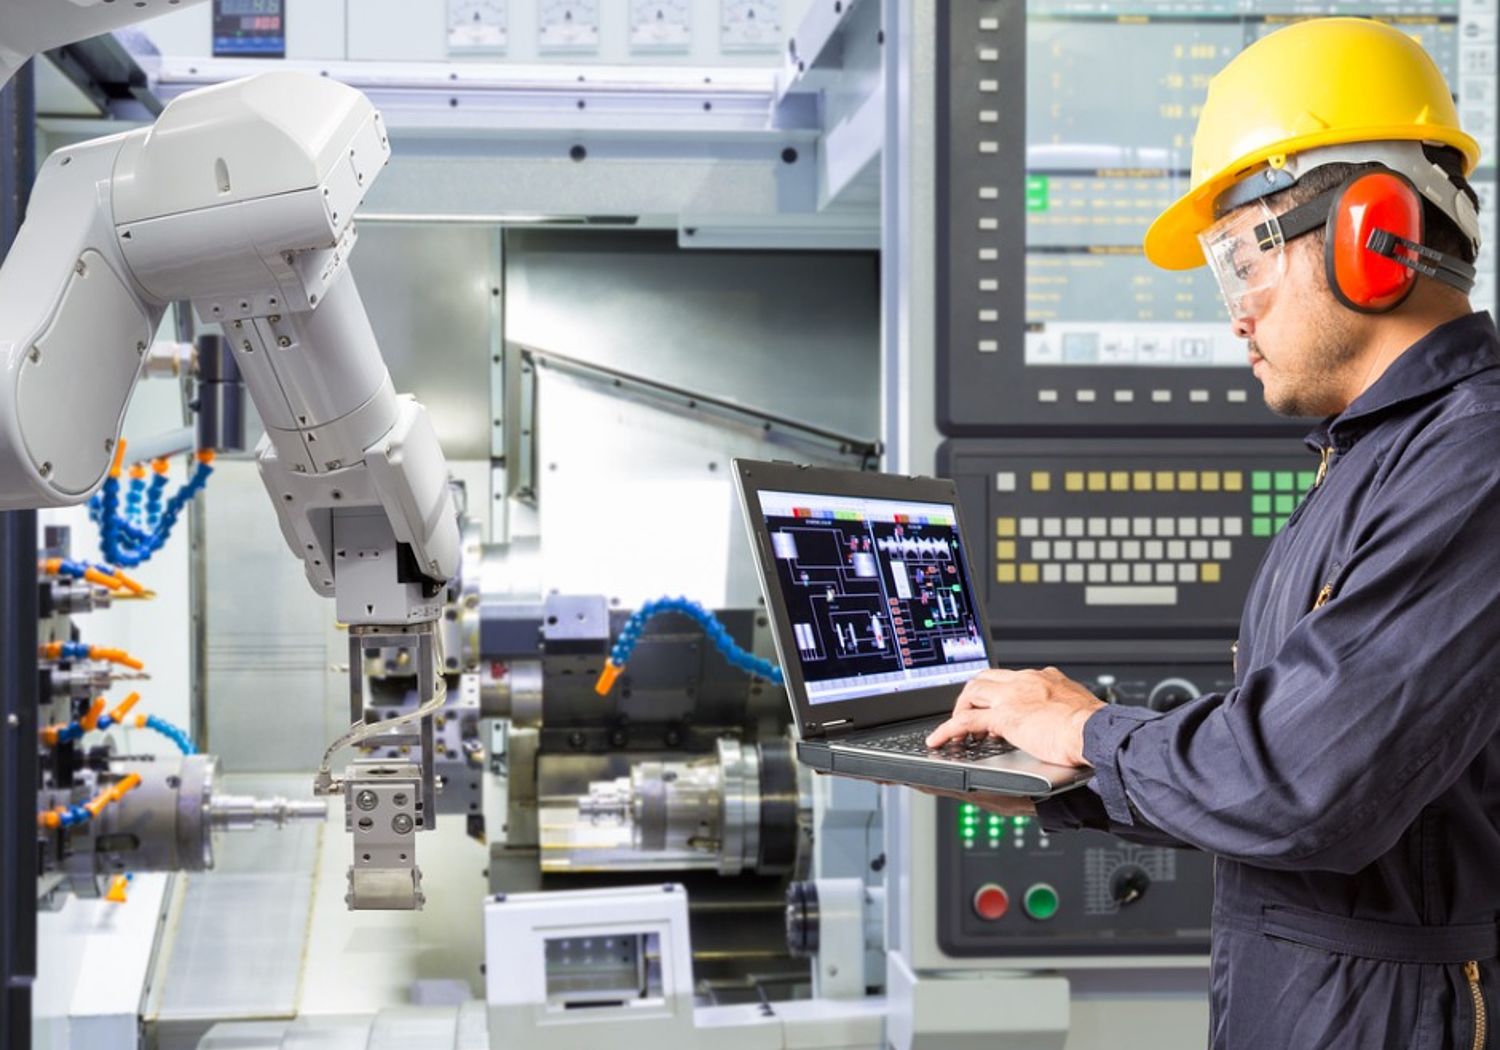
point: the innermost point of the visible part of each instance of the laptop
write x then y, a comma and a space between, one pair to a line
878, 626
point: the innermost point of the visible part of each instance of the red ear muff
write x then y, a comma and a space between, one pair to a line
1369, 201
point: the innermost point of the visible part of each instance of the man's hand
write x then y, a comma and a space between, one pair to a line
1040, 712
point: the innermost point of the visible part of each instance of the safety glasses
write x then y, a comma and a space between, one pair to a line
1247, 253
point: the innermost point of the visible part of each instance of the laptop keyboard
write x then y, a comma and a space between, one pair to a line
964, 749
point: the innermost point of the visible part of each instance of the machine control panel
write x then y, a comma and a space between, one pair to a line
1052, 316
1146, 537
1010, 888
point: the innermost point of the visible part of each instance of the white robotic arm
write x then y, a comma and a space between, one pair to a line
240, 199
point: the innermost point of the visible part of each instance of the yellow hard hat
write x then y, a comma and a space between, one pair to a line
1322, 82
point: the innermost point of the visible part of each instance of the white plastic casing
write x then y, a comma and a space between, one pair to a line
241, 199
73, 330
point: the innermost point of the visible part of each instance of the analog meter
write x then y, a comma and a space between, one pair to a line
477, 27
661, 25
568, 25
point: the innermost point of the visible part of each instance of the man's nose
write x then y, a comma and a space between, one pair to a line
1243, 327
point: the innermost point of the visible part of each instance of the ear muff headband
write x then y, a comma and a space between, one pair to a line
1372, 245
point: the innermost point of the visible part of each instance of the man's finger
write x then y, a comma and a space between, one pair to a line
956, 726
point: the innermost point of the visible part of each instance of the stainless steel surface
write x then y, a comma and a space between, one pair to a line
740, 822
169, 822
72, 598
382, 809
257, 900
663, 483
163, 824
428, 290
248, 812
422, 637
797, 331
863, 451
676, 813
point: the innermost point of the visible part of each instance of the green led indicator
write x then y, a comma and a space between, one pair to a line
957, 587
1260, 504
1286, 481
1038, 192
1260, 481
1286, 504
1260, 527
926, 623
1021, 822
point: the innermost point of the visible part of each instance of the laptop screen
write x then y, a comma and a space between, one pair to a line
877, 593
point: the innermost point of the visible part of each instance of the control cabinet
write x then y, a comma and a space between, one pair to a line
1010, 888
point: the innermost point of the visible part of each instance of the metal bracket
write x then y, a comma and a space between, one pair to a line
382, 809
362, 638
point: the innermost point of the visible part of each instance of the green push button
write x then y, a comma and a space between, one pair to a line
1041, 902
1260, 481
1260, 504
1286, 481
1260, 527
1286, 504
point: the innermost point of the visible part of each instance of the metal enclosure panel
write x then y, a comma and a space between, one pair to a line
429, 291
274, 700
797, 333
636, 503
257, 899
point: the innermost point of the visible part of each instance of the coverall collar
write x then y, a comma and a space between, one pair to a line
1450, 352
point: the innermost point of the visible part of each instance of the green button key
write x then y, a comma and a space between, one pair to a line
1041, 902
1260, 481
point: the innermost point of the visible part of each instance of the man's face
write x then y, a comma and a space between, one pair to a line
1301, 341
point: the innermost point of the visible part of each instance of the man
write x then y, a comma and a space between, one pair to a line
1349, 785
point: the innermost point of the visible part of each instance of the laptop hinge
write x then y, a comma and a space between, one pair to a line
820, 730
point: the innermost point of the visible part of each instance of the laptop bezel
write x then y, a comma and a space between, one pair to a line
838, 717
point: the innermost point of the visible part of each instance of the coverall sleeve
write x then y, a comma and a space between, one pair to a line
1372, 707
1083, 809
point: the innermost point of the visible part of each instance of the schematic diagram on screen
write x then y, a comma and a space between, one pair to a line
874, 597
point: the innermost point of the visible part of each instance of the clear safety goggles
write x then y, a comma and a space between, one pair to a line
1247, 253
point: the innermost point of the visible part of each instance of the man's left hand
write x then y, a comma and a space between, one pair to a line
1040, 712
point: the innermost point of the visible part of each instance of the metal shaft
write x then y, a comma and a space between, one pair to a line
245, 812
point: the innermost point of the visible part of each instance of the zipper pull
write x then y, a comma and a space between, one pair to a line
1327, 455
1471, 972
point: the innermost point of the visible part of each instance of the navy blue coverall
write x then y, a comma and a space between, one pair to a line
1349, 785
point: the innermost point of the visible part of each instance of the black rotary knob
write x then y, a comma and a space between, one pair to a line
1129, 883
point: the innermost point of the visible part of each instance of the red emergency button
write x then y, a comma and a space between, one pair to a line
991, 902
